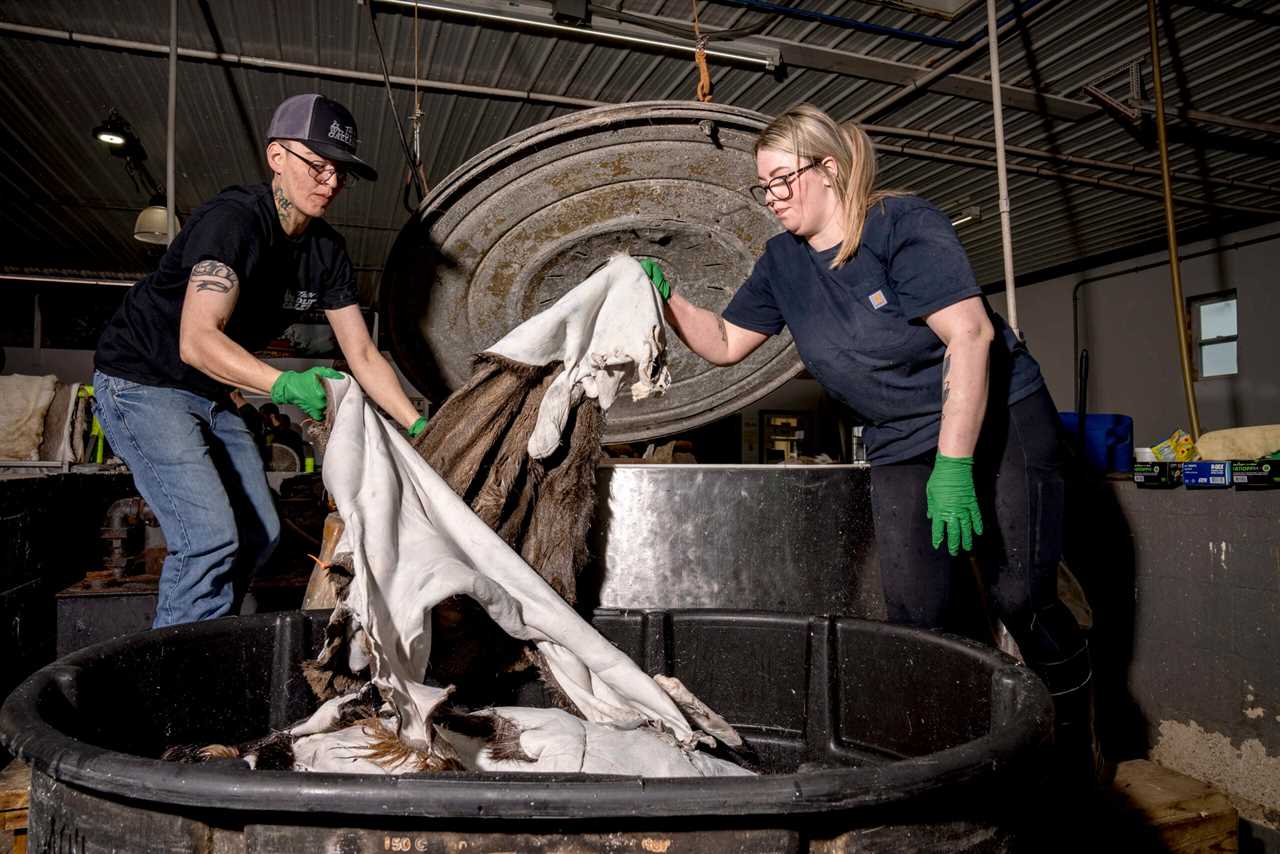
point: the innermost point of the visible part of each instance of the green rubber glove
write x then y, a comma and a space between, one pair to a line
417, 427
654, 272
953, 503
304, 390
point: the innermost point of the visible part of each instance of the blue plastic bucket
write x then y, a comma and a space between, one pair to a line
1108, 439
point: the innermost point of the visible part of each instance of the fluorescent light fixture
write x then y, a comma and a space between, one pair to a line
768, 59
970, 214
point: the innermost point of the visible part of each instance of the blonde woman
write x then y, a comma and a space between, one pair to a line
961, 432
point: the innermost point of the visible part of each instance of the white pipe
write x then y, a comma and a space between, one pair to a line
170, 169
1002, 174
769, 63
302, 68
66, 280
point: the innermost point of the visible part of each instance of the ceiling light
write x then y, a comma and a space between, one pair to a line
152, 224
116, 134
969, 214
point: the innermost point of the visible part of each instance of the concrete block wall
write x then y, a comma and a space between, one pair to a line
1204, 672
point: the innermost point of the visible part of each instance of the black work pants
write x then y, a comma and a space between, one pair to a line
1018, 476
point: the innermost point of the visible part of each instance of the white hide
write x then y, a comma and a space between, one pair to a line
599, 330
414, 542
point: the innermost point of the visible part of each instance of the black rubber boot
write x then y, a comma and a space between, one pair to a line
1077, 758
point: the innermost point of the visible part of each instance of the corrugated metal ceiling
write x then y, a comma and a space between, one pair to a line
70, 206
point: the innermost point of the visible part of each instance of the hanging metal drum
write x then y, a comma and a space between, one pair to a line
523, 222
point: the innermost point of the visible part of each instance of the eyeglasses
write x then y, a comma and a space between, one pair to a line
321, 173
779, 188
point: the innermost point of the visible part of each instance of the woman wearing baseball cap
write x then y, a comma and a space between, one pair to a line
244, 267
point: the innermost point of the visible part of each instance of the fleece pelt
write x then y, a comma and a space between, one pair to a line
24, 400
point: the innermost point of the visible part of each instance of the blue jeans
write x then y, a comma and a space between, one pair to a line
196, 464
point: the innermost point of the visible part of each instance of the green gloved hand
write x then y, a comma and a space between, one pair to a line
953, 503
654, 272
304, 390
417, 427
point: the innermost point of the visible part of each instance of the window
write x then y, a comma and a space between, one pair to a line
1213, 325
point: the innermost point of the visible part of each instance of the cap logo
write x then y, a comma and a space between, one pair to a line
342, 133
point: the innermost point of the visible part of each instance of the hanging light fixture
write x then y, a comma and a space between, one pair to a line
152, 224
969, 214
117, 135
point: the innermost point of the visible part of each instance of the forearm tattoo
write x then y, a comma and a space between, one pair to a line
284, 207
214, 276
724, 333
946, 382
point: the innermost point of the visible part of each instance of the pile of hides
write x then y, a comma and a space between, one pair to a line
24, 401
491, 507
1240, 443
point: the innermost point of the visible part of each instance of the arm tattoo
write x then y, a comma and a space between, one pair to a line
214, 276
284, 207
724, 333
946, 381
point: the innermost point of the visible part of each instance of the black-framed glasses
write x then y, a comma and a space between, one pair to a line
322, 172
780, 187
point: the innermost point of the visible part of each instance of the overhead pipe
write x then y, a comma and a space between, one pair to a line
1002, 173
769, 62
846, 23
1071, 159
1059, 175
1171, 229
66, 280
247, 61
1139, 268
922, 82
259, 62
1203, 118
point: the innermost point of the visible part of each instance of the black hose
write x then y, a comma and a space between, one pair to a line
386, 79
1082, 397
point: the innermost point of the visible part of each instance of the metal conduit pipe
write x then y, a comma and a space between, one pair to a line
170, 168
1127, 271
636, 37
67, 280
1201, 117
1171, 228
108, 43
1056, 174
280, 65
942, 70
1002, 174
845, 23
1072, 159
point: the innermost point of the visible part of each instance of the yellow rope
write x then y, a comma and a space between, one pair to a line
700, 59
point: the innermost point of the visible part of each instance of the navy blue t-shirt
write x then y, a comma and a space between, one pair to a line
280, 277
860, 328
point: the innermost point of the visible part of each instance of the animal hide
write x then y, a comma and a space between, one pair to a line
412, 542
24, 400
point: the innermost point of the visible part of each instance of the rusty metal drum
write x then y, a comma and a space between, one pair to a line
521, 223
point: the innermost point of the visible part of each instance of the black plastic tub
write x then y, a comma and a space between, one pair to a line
872, 737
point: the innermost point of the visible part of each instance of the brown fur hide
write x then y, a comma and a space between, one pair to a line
478, 443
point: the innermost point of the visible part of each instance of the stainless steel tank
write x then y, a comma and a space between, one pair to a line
517, 226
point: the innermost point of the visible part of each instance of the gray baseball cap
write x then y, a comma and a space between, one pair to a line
324, 126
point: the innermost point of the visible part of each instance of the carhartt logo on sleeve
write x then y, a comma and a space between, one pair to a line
878, 300
341, 133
